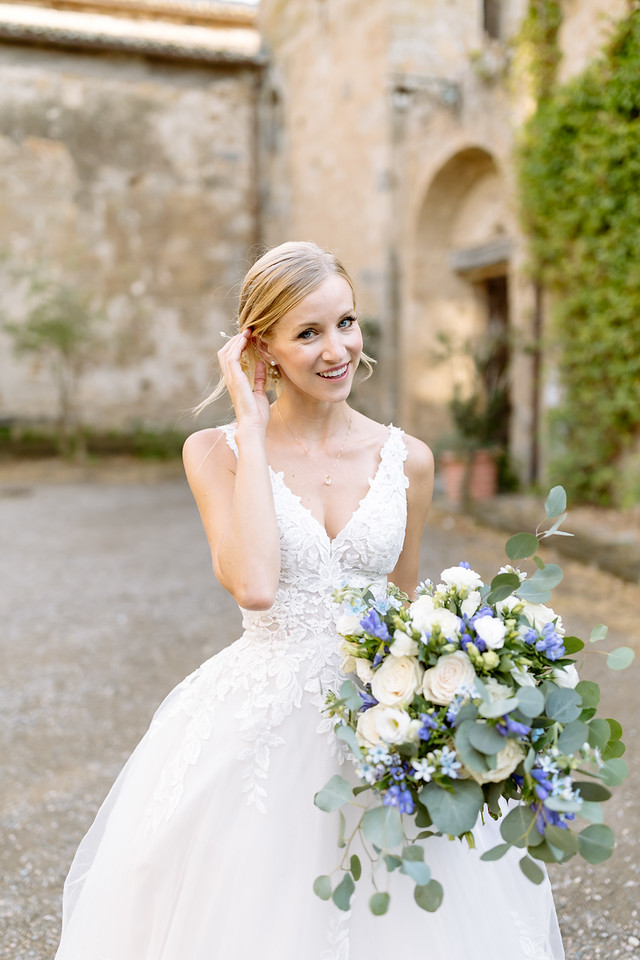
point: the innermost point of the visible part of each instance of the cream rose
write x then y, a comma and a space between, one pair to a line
367, 729
461, 577
348, 624
450, 625
363, 670
492, 631
507, 760
539, 616
396, 680
386, 723
452, 671
403, 645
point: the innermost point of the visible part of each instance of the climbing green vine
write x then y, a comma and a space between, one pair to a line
579, 171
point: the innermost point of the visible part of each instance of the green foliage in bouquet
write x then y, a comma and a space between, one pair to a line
467, 703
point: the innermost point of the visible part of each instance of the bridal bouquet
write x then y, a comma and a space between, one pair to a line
467, 697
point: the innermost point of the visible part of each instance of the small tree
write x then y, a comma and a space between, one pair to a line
60, 326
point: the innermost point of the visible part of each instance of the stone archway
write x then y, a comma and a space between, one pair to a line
459, 285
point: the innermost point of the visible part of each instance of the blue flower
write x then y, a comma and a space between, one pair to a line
367, 700
373, 625
463, 563
379, 753
428, 724
423, 769
507, 725
449, 763
550, 643
398, 797
551, 818
366, 771
397, 773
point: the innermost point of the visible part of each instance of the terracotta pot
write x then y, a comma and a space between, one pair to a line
454, 473
483, 476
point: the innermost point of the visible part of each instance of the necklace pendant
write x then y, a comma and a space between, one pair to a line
327, 481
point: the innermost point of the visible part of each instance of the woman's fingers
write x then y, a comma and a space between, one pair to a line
260, 377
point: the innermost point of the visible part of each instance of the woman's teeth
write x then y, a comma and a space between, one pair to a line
335, 373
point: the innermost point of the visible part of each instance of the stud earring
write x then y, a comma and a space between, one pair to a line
273, 363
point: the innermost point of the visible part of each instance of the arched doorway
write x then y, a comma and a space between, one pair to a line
458, 334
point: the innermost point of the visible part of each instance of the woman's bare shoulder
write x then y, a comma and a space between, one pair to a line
205, 449
420, 456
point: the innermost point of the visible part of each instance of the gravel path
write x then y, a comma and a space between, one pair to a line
108, 600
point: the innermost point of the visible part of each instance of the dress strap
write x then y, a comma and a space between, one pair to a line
229, 431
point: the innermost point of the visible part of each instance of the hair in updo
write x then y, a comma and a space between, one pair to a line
276, 283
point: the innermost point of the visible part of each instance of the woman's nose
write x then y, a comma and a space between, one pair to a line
331, 347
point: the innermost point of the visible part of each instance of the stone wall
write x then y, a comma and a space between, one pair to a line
135, 180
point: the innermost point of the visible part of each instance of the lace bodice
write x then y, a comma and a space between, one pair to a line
291, 650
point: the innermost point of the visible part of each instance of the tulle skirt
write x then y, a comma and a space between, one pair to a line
215, 877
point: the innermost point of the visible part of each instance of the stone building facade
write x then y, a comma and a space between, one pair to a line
382, 129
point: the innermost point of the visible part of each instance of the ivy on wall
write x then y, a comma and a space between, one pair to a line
579, 173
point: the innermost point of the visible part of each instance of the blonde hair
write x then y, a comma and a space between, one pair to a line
275, 284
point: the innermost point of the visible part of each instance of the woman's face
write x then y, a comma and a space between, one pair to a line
317, 344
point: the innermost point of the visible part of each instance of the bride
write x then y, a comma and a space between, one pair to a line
208, 844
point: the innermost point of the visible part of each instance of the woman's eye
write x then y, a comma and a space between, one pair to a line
347, 321
305, 335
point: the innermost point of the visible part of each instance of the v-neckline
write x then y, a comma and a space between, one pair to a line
332, 540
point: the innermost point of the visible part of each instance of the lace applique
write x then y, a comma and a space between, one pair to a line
293, 648
337, 937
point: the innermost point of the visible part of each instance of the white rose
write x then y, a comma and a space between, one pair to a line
508, 604
397, 680
461, 577
421, 608
538, 616
492, 631
452, 671
522, 677
348, 624
496, 690
507, 760
471, 604
348, 664
565, 676
449, 624
363, 669
393, 725
367, 729
403, 645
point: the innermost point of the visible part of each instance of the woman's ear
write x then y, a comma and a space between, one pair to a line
263, 351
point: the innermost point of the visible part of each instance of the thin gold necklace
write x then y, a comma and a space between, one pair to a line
326, 477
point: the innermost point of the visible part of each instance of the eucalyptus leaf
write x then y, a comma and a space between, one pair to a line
541, 582
379, 903
486, 738
418, 870
502, 586
596, 842
599, 733
572, 645
531, 870
561, 839
382, 826
342, 894
614, 772
620, 658
615, 748
573, 737
615, 729
471, 757
322, 887
498, 708
530, 701
592, 812
468, 711
563, 806
496, 852
521, 546
563, 704
555, 528
356, 867
599, 632
590, 693
556, 503
349, 694
342, 825
590, 790
348, 735
453, 811
333, 795
429, 897
422, 818
517, 824
392, 862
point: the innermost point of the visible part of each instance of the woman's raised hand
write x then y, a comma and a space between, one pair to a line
251, 405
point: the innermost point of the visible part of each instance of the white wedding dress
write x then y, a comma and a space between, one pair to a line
209, 842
